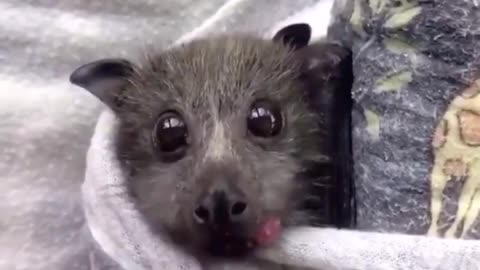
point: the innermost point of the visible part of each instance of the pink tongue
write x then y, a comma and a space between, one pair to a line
268, 231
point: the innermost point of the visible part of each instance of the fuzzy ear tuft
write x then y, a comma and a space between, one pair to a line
103, 78
327, 73
295, 35
326, 63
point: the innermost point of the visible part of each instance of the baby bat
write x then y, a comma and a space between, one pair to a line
230, 138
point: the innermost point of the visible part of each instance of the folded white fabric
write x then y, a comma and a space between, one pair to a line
119, 230
329, 249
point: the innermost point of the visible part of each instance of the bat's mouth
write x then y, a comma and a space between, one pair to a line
225, 243
231, 245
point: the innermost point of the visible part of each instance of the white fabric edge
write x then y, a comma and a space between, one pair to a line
332, 249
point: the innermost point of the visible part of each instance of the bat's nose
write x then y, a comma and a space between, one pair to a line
223, 206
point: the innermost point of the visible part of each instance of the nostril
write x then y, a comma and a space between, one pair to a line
201, 214
238, 208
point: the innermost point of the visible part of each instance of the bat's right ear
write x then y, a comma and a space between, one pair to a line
104, 78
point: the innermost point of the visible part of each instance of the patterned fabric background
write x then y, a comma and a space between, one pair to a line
417, 113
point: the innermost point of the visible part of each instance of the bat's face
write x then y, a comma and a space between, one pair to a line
217, 135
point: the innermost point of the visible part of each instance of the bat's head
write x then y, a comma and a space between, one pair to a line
218, 134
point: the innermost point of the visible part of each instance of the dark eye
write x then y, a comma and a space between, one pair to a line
264, 120
170, 136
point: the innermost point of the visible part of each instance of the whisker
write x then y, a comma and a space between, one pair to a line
322, 184
313, 198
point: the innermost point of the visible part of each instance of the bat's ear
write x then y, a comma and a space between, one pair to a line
105, 79
295, 35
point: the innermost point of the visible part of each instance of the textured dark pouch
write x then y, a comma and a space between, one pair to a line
343, 195
416, 113
333, 103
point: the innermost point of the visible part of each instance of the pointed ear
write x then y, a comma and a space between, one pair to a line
295, 35
104, 78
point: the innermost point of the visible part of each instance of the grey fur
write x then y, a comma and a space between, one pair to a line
215, 81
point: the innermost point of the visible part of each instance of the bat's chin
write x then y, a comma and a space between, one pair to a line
228, 242
230, 247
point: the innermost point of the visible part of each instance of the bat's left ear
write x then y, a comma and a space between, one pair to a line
324, 64
295, 35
